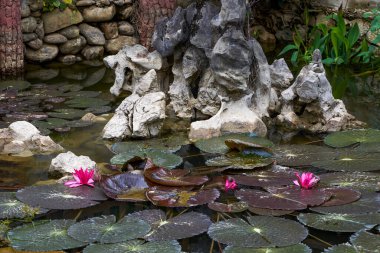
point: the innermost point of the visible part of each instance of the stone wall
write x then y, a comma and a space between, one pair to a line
88, 32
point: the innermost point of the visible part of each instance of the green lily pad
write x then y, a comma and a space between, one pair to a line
217, 144
135, 246
43, 236
361, 181
158, 157
11, 207
3, 231
99, 109
341, 248
302, 155
50, 123
366, 242
84, 102
368, 203
236, 160
58, 196
299, 248
105, 229
236, 207
151, 216
170, 144
347, 138
82, 94
67, 113
351, 163
340, 222
182, 226
14, 84
368, 147
258, 232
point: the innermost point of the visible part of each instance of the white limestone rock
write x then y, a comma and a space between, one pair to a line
65, 163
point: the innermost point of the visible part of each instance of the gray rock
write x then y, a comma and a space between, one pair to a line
126, 12
147, 84
70, 32
231, 60
73, 46
126, 28
55, 38
35, 44
26, 37
45, 53
35, 5
93, 53
232, 12
84, 3
98, 14
171, 32
113, 46
57, 19
28, 25
122, 2
280, 74
65, 163
92, 34
68, 59
25, 10
40, 31
110, 30
194, 62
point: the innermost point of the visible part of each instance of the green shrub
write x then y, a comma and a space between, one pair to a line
49, 5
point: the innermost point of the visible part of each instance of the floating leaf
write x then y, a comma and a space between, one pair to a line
302, 155
285, 199
351, 163
105, 229
135, 246
259, 231
366, 242
11, 208
368, 147
84, 102
99, 109
341, 196
236, 207
265, 179
347, 138
67, 113
43, 236
341, 248
368, 203
217, 144
361, 181
182, 226
14, 84
340, 222
269, 212
58, 196
181, 198
299, 248
125, 187
179, 177
242, 146
151, 216
239, 161
50, 123
82, 94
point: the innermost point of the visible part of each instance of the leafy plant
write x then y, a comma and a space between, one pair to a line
50, 5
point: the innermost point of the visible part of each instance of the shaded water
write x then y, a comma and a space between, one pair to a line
360, 93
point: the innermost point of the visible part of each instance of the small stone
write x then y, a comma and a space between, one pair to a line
126, 12
121, 2
98, 14
89, 117
70, 32
25, 10
85, 3
92, 34
55, 38
68, 59
93, 53
126, 28
28, 25
45, 53
110, 30
73, 46
26, 37
113, 46
35, 44
35, 5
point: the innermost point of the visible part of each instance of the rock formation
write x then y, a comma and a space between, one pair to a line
65, 163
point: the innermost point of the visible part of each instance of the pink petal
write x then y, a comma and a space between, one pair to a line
296, 182
90, 181
72, 184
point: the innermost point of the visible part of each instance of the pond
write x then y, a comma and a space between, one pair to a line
58, 95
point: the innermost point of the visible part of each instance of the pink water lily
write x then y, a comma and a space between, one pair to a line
82, 177
306, 181
230, 184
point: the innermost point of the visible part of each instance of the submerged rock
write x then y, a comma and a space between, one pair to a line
65, 163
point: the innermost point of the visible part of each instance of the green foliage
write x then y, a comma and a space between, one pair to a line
374, 15
339, 44
50, 5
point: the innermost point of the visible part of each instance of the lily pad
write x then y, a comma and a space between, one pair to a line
99, 109
302, 155
366, 242
299, 248
58, 196
82, 94
269, 212
241, 146
236, 160
340, 222
341, 196
43, 236
217, 144
351, 163
105, 229
14, 84
182, 226
181, 198
158, 157
179, 177
368, 203
236, 207
125, 187
135, 246
347, 138
368, 147
258, 232
285, 199
362, 181
84, 102
265, 179
11, 207
151, 216
67, 113
341, 248
50, 123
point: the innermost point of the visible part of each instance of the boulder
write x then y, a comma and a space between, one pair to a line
280, 74
57, 19
22, 131
233, 12
147, 83
65, 163
99, 14
125, 28
45, 53
92, 34
28, 25
110, 30
113, 46
93, 53
73, 46
70, 32
55, 38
